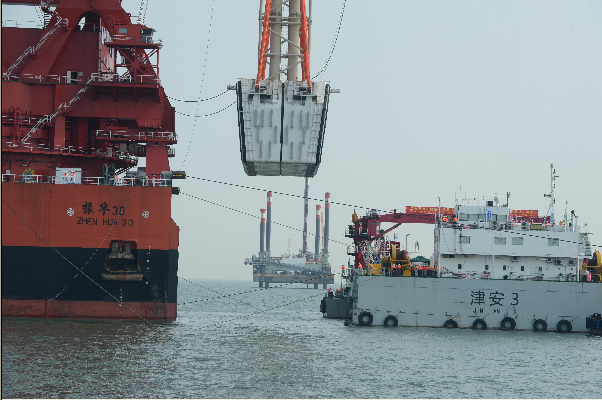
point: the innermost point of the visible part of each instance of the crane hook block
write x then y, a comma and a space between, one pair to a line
281, 126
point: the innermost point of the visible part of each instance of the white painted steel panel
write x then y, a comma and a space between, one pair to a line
429, 302
281, 126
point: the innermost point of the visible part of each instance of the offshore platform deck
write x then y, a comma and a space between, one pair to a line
303, 267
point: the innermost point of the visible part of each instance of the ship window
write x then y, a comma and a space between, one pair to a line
517, 241
522, 267
539, 269
553, 242
123, 30
486, 267
459, 266
499, 240
504, 267
464, 239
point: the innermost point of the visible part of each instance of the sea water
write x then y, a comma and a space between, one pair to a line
232, 340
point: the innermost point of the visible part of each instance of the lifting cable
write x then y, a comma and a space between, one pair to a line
303, 281
282, 193
196, 101
211, 290
80, 271
334, 43
345, 204
201, 89
262, 311
254, 216
199, 116
141, 14
273, 308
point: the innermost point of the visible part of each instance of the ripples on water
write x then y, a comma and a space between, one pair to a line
289, 352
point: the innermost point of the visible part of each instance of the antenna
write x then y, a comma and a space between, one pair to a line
553, 177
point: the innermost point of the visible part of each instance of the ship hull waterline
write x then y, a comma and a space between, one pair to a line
430, 302
43, 278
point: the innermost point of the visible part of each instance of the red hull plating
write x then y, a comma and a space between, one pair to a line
87, 309
83, 96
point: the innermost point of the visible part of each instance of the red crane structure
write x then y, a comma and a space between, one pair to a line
82, 101
367, 229
84, 91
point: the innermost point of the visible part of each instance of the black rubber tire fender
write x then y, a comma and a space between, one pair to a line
390, 321
450, 323
540, 325
363, 321
508, 324
479, 322
564, 326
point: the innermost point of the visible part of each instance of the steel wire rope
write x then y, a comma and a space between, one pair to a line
196, 101
306, 281
211, 290
271, 308
84, 274
425, 217
201, 89
77, 274
254, 216
282, 193
143, 14
334, 42
262, 311
199, 116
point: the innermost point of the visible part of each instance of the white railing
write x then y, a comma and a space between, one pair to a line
88, 180
115, 38
41, 44
117, 155
99, 77
152, 78
101, 133
13, 23
126, 181
27, 178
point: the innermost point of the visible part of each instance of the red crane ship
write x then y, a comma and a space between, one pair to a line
85, 233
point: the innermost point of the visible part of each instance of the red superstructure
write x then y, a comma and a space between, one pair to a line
81, 102
84, 91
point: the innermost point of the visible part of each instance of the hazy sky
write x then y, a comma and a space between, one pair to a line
434, 95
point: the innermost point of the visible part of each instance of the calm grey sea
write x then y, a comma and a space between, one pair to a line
232, 348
